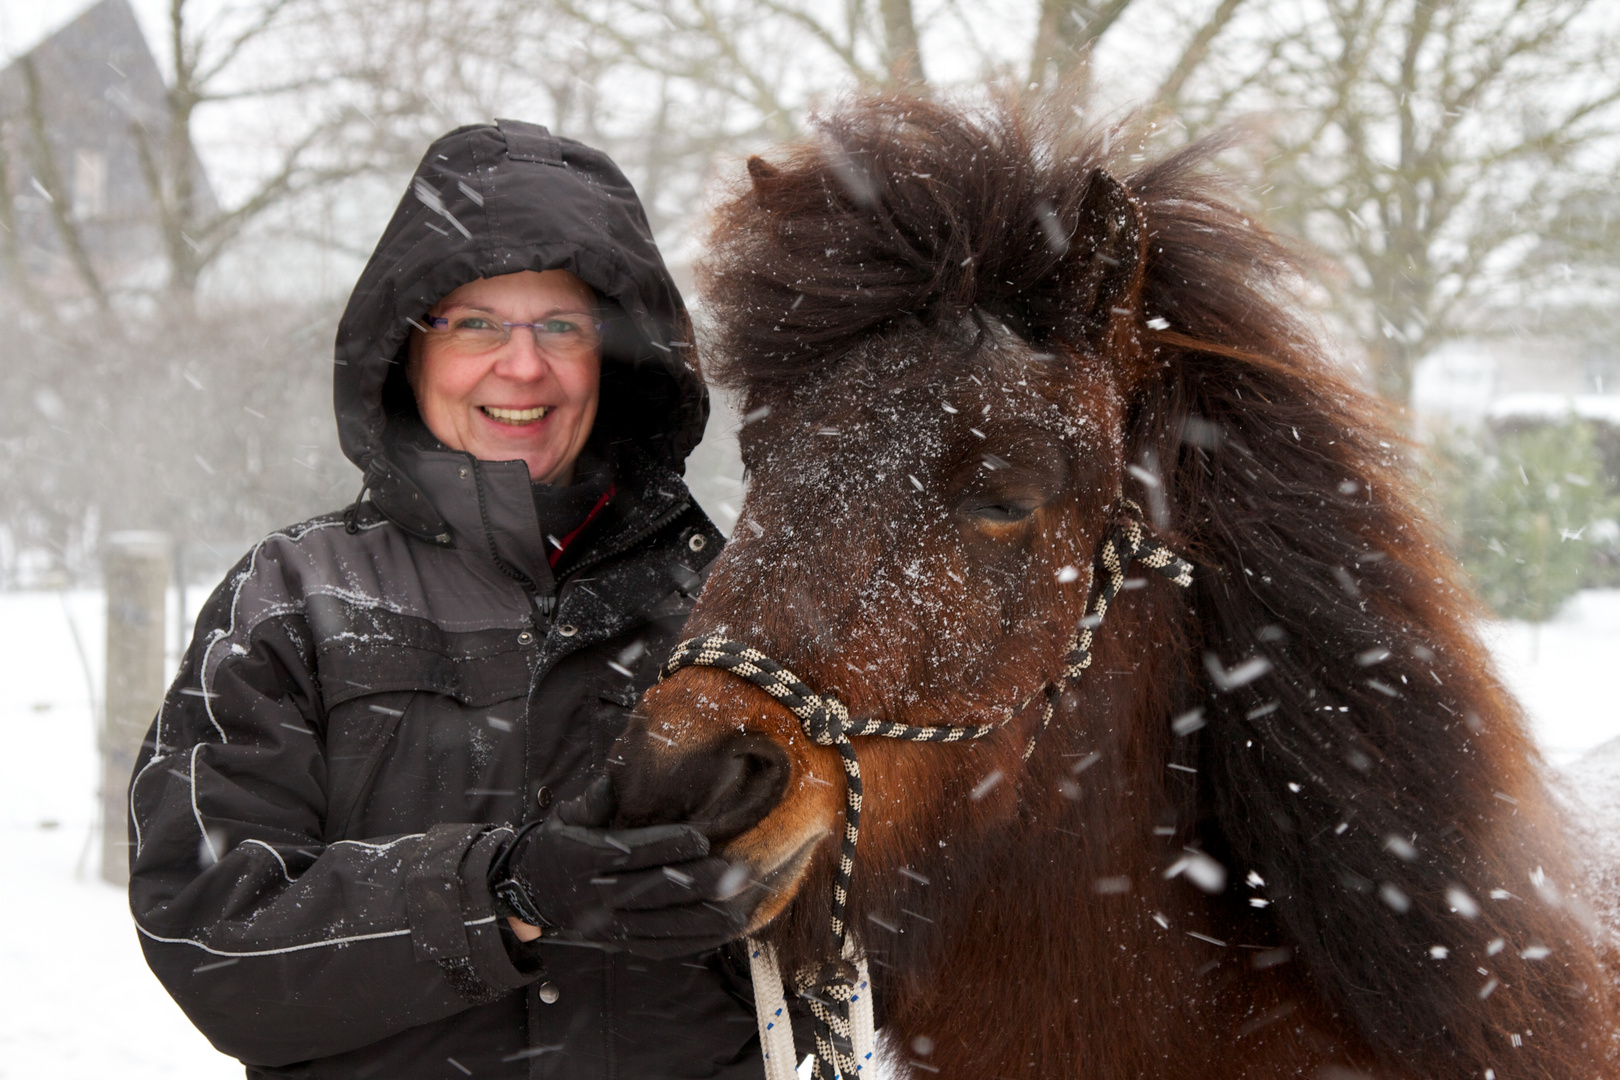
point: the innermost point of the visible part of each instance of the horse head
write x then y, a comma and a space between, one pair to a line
1285, 821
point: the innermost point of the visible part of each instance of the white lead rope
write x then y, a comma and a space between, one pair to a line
862, 1028
771, 1010
776, 1027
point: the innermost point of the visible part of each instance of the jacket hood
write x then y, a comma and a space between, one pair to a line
492, 199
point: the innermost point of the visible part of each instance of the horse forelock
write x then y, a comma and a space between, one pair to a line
1357, 755
900, 213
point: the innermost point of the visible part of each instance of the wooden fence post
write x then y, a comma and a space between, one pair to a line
135, 566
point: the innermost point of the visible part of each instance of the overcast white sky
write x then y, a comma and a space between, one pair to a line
24, 22
998, 27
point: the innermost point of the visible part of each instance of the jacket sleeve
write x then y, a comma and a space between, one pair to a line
281, 947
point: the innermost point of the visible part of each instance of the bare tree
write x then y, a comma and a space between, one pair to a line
756, 66
51, 184
1194, 53
1426, 144
902, 52
1421, 144
244, 438
768, 56
1066, 34
242, 57
11, 260
304, 95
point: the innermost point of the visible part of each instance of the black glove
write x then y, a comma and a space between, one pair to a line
653, 891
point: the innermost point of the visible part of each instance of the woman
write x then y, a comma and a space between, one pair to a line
346, 861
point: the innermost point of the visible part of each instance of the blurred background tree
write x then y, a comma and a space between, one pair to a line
1532, 514
1432, 143
1447, 165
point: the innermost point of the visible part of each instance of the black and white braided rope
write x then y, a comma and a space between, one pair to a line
826, 721
1129, 542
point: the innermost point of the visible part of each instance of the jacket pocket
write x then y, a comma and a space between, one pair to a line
448, 761
423, 724
358, 734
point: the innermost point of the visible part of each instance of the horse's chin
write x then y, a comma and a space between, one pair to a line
777, 869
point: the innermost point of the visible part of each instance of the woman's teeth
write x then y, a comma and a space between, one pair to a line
515, 416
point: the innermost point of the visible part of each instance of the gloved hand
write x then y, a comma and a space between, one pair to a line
654, 891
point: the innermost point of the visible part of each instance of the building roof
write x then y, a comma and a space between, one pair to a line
84, 129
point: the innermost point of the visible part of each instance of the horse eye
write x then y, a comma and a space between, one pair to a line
1001, 512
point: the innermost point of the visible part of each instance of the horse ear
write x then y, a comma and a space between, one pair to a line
1107, 249
760, 170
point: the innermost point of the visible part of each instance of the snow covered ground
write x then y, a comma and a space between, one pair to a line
1566, 672
76, 1000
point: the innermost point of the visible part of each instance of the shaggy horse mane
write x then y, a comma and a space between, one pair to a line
1379, 779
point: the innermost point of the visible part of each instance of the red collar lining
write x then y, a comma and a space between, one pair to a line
562, 545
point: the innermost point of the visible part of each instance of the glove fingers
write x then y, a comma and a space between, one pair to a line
697, 929
664, 886
703, 925
592, 810
639, 849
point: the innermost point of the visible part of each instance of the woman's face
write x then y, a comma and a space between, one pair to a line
515, 401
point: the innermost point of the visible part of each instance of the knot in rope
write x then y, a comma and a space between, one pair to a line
824, 719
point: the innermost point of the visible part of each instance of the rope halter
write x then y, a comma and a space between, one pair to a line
826, 721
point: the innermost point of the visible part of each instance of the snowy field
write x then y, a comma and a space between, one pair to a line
76, 1000
78, 1003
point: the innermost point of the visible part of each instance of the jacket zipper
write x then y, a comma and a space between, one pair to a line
546, 667
546, 606
596, 560
635, 538
541, 608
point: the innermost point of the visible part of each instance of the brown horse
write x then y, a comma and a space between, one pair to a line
1287, 824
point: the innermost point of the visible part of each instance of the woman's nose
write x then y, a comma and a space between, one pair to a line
520, 358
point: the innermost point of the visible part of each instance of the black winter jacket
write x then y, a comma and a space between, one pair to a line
372, 701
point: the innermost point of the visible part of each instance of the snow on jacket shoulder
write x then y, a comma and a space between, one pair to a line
273, 925
359, 721
372, 702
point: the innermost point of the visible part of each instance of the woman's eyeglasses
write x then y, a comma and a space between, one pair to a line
565, 335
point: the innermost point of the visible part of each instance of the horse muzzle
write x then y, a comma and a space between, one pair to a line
708, 750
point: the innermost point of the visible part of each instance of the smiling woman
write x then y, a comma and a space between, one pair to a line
372, 803
502, 396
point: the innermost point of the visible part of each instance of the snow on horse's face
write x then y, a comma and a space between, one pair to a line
917, 540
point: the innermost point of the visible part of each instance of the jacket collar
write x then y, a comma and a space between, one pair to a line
486, 508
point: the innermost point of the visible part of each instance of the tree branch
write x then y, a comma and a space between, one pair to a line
1066, 32
1195, 52
57, 195
900, 47
233, 48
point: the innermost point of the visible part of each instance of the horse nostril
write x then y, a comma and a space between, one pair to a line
723, 791
747, 779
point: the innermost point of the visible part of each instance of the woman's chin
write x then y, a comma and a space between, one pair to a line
541, 458
543, 469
